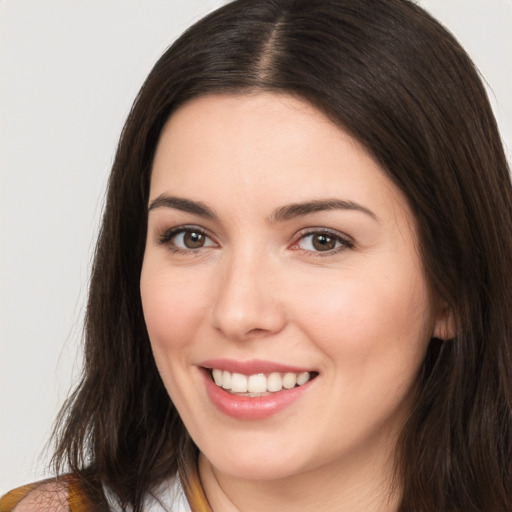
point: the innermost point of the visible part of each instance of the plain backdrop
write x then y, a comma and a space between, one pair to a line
69, 70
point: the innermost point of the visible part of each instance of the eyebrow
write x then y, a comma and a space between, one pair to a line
292, 211
282, 214
180, 203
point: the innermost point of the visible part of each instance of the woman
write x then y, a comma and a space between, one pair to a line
301, 292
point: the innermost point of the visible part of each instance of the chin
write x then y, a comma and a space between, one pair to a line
259, 464
268, 471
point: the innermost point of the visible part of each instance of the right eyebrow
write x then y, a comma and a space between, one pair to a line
185, 205
291, 211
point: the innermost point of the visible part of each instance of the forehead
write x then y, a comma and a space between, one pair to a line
266, 149
252, 132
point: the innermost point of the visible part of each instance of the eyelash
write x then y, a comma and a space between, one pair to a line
344, 241
166, 237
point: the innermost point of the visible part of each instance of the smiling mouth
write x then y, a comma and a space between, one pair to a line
259, 384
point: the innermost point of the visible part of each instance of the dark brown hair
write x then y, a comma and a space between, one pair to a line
397, 81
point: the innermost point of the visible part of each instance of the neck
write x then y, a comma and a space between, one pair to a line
341, 487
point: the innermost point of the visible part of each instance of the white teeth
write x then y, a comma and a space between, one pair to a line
274, 382
257, 383
238, 383
226, 380
289, 380
217, 376
302, 378
253, 385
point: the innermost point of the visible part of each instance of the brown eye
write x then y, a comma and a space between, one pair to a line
193, 239
186, 239
323, 242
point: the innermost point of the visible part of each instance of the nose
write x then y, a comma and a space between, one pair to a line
246, 305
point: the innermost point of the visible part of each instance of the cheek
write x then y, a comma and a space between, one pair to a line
374, 332
368, 318
172, 307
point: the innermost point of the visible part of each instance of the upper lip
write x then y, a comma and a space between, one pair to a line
251, 367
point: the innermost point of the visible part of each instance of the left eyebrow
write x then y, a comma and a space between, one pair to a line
294, 210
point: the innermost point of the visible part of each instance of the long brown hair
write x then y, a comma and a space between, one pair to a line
397, 81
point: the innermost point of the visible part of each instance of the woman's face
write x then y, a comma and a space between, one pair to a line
279, 256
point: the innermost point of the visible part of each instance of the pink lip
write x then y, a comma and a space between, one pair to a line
251, 367
252, 408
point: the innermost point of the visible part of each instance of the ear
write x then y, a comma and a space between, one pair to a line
444, 327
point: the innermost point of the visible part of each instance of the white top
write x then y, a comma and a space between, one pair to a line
168, 497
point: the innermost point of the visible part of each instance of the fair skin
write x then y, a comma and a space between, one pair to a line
234, 277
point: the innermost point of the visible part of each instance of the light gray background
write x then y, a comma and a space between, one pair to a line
69, 70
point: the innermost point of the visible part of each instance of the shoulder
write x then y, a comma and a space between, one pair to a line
56, 495
46, 496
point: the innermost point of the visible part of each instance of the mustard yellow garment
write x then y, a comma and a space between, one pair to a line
77, 498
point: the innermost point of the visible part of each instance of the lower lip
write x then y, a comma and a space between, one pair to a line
252, 408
